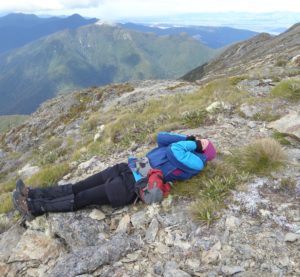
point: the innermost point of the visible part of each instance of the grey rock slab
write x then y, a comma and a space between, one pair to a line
77, 229
97, 214
231, 270
176, 273
139, 219
9, 240
152, 231
232, 223
88, 259
289, 124
171, 265
37, 247
158, 268
28, 170
250, 111
291, 237
123, 224
193, 264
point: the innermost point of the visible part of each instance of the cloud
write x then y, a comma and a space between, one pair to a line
77, 4
46, 5
127, 8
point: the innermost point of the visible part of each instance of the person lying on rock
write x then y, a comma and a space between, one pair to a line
177, 157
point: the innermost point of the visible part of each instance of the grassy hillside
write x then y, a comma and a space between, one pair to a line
88, 56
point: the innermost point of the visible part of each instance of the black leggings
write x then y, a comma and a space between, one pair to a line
114, 185
109, 186
91, 191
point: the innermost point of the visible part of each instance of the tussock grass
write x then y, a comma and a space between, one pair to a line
281, 62
48, 176
260, 157
8, 186
236, 79
91, 124
288, 183
265, 116
6, 202
287, 89
204, 210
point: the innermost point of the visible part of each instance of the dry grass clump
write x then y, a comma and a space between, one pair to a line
261, 157
6, 202
48, 176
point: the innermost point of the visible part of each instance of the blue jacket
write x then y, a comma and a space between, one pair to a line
176, 157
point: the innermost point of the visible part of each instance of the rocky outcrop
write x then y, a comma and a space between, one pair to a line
288, 124
106, 253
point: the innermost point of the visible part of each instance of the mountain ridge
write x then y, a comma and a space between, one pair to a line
214, 37
261, 47
16, 30
88, 56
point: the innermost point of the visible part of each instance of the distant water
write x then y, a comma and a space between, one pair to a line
273, 23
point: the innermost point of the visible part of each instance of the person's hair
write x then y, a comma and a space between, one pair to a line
199, 146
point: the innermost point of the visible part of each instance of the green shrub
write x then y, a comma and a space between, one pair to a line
218, 187
287, 89
260, 157
204, 210
281, 138
194, 119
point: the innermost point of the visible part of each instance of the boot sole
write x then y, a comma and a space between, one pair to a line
16, 194
21, 188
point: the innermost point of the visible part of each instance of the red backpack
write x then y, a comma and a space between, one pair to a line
152, 188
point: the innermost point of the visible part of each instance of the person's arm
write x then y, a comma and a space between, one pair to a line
182, 153
165, 138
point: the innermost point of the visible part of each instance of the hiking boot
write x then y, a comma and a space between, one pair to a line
20, 203
21, 188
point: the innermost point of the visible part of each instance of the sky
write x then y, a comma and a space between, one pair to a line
118, 9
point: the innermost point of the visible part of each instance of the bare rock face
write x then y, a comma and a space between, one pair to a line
77, 230
90, 258
8, 241
35, 246
34, 253
289, 124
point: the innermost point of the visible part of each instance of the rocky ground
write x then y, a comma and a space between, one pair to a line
258, 234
